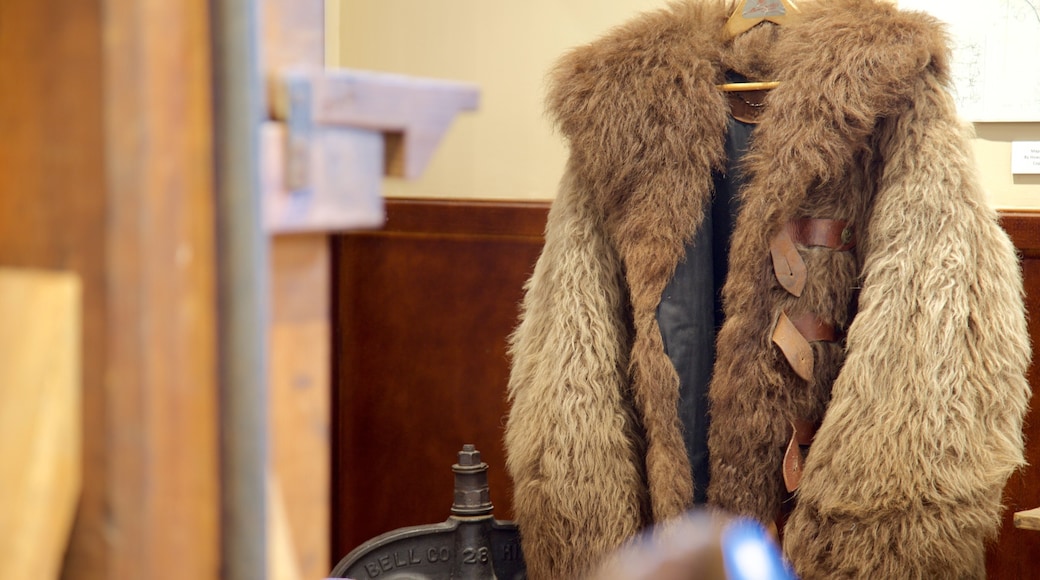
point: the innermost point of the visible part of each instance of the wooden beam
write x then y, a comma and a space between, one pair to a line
162, 492
299, 333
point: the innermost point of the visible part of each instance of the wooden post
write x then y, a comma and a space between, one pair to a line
162, 516
299, 338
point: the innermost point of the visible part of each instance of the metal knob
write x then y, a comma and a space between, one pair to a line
472, 497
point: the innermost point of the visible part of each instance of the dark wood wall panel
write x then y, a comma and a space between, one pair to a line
1017, 552
422, 310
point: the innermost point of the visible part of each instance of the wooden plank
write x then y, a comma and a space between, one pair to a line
40, 429
1028, 520
162, 493
300, 343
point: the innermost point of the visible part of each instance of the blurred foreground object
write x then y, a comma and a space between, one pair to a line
701, 546
39, 419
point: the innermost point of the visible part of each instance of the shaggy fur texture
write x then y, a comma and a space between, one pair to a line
921, 413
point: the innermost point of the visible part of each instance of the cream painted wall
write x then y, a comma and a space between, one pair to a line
508, 150
993, 156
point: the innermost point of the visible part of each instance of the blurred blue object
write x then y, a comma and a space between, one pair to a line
701, 545
749, 553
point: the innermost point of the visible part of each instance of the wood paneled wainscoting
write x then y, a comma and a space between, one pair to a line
421, 313
422, 310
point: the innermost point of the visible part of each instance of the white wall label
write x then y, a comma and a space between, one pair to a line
1025, 157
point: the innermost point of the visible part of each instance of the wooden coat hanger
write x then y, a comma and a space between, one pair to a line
750, 86
745, 16
748, 13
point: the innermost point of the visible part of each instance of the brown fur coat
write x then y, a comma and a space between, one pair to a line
921, 407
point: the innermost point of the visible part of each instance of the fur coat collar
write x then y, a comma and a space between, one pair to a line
921, 406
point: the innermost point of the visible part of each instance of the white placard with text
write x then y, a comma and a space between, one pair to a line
1025, 157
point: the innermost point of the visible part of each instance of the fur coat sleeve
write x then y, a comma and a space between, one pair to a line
572, 449
924, 424
921, 406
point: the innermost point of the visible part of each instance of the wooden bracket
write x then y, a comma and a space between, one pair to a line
337, 132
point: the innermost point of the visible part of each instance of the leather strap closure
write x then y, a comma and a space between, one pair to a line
837, 235
802, 434
813, 328
793, 336
788, 265
795, 347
